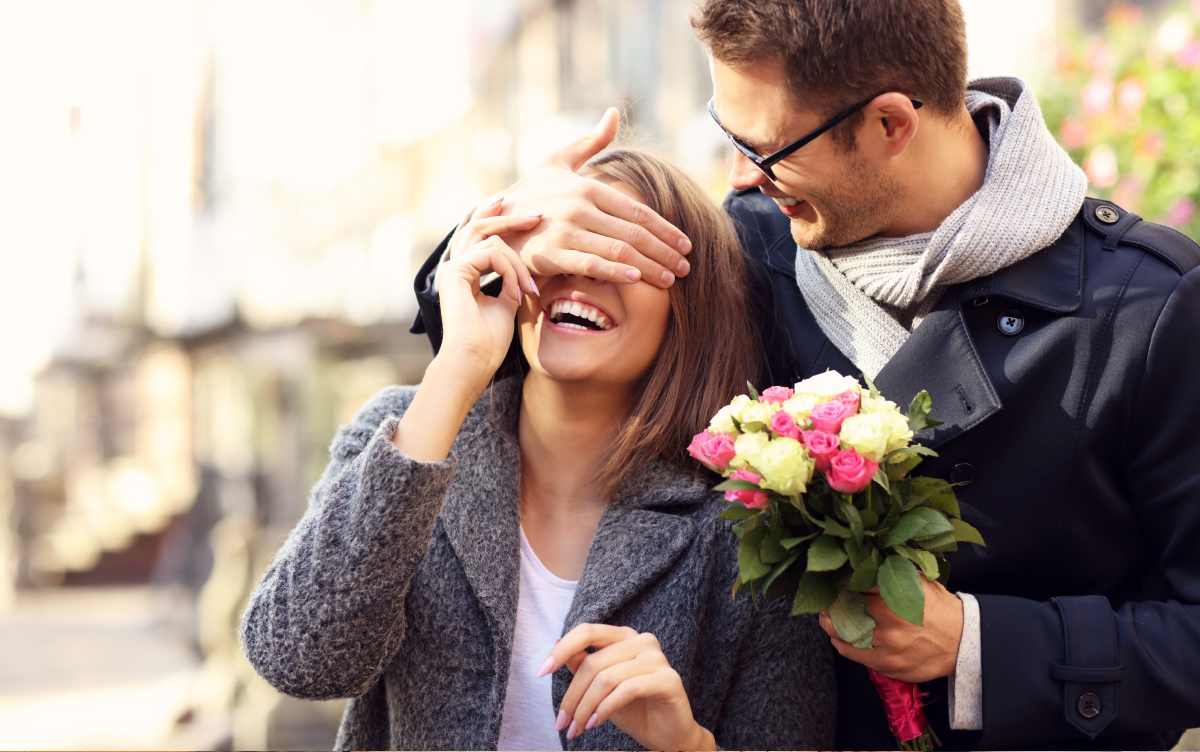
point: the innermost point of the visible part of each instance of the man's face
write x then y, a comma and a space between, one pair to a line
834, 196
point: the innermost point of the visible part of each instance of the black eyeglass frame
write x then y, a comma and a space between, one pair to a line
766, 163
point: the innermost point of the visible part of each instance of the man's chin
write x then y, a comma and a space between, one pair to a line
808, 235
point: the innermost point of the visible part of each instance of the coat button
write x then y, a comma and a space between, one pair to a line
1011, 322
1106, 214
962, 473
1089, 705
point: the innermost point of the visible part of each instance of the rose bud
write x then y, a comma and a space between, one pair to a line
783, 425
850, 397
822, 446
828, 416
751, 498
776, 394
714, 450
849, 472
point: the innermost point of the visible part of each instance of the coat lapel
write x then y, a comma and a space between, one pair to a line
481, 514
638, 540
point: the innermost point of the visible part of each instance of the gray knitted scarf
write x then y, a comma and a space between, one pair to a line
868, 296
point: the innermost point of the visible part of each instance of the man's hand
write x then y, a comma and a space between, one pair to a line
590, 228
902, 650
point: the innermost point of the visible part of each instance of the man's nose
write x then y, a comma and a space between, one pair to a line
744, 173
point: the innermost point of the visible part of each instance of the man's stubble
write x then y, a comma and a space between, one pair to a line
864, 202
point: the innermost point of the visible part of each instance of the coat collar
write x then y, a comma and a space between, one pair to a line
639, 537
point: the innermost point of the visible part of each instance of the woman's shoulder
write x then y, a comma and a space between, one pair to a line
352, 438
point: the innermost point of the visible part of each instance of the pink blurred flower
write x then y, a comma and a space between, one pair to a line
1101, 166
850, 472
850, 398
714, 450
828, 416
1189, 55
1123, 15
1098, 56
821, 447
1131, 95
1181, 213
1149, 144
1097, 95
1065, 62
783, 425
1073, 132
753, 499
776, 394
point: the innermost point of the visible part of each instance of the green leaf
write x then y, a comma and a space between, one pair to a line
917, 523
871, 386
870, 520
853, 517
881, 478
750, 566
752, 391
918, 412
772, 552
966, 533
736, 485
790, 543
900, 586
935, 492
897, 470
865, 571
814, 594
850, 618
736, 424
833, 527
738, 512
779, 569
826, 554
923, 559
940, 543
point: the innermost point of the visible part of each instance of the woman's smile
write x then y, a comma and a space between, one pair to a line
574, 313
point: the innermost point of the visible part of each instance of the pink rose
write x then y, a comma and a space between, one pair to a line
783, 425
715, 450
821, 447
828, 416
849, 397
850, 472
776, 394
751, 498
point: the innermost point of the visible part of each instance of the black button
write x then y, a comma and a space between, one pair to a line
1107, 215
1089, 705
962, 473
1011, 322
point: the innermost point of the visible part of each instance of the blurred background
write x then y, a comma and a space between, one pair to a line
211, 213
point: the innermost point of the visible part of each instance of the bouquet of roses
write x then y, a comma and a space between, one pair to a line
818, 480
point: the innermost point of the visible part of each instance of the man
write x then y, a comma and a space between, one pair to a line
940, 240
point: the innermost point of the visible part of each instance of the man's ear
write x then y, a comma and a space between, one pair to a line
892, 122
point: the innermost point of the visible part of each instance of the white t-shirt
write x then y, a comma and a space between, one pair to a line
542, 606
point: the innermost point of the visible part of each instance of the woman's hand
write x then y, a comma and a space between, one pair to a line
628, 681
476, 332
477, 329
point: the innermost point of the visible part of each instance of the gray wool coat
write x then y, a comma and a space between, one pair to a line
399, 586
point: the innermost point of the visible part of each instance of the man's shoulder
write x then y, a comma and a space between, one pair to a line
1114, 227
765, 232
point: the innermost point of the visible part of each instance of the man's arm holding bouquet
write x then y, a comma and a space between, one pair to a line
588, 228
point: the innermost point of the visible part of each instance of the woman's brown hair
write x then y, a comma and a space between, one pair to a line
710, 348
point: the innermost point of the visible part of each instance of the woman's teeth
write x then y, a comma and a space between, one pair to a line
575, 315
789, 201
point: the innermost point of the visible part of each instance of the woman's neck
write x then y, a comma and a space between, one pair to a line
565, 432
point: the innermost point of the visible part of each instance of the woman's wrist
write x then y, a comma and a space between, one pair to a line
702, 738
432, 420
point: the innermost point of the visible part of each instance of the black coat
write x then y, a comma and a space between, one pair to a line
1078, 441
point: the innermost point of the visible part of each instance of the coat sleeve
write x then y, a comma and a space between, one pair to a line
328, 614
1075, 667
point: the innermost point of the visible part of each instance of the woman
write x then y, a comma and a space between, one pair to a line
460, 529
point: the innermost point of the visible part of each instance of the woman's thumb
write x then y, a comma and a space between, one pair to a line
578, 152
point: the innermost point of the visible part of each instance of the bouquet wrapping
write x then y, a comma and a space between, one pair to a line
820, 488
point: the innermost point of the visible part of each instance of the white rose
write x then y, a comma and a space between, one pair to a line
757, 412
747, 445
722, 422
898, 433
800, 406
870, 404
866, 434
826, 386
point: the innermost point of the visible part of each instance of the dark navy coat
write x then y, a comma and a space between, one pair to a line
1069, 387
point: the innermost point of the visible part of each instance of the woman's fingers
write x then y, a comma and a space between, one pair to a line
659, 682
602, 684
494, 255
580, 639
589, 666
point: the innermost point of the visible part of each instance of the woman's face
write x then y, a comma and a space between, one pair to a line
586, 330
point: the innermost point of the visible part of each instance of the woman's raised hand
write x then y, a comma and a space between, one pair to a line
476, 332
477, 329
627, 681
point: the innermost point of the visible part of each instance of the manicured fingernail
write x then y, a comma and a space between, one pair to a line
495, 202
633, 274
592, 721
561, 721
668, 278
533, 215
572, 730
546, 668
683, 268
538, 293
684, 245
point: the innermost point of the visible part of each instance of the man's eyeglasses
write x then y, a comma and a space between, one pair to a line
766, 163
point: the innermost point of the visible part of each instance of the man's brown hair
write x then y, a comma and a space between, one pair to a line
835, 53
710, 348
